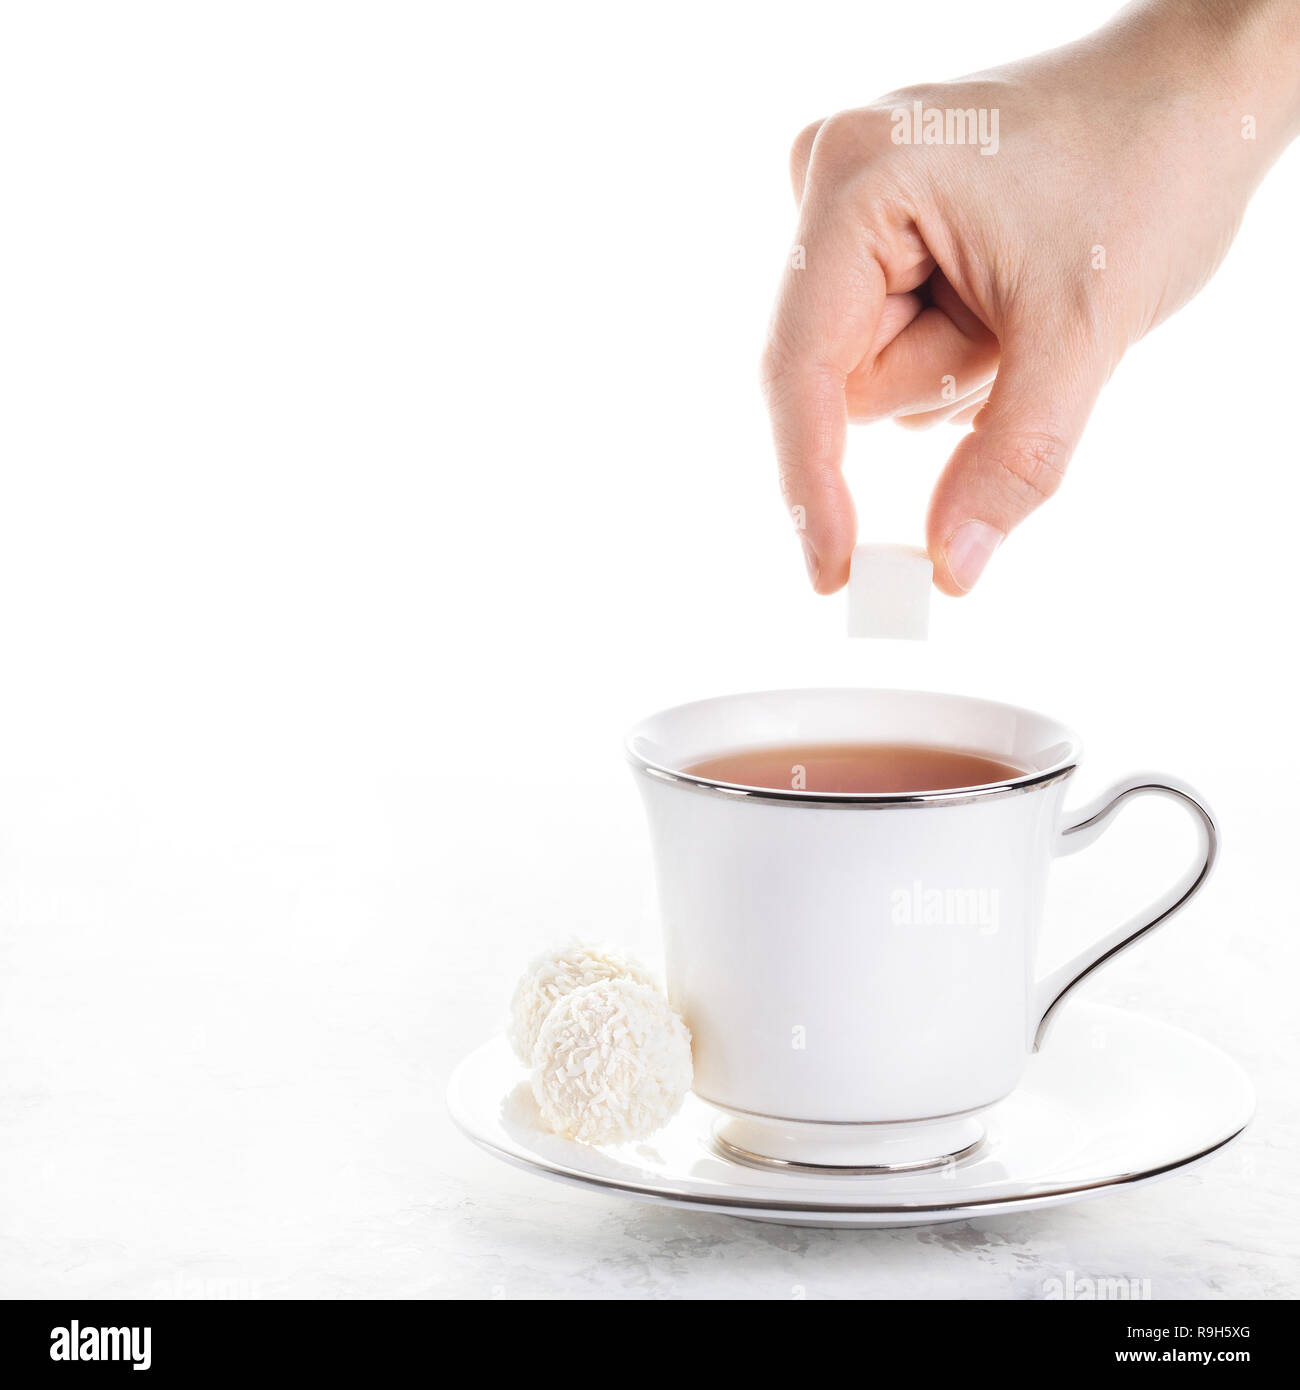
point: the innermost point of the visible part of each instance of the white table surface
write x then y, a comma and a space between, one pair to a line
226, 1040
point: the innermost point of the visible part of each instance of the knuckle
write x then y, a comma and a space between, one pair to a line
801, 150
840, 138
1034, 464
777, 378
849, 139
780, 364
773, 366
789, 375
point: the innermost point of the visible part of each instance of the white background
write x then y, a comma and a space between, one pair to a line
379, 436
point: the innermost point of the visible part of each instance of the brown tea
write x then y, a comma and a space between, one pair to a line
855, 767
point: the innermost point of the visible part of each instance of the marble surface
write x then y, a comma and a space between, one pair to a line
226, 1048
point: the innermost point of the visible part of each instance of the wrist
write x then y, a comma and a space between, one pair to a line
1241, 58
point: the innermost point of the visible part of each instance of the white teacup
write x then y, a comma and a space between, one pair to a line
859, 972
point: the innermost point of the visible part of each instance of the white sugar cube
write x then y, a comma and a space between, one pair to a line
889, 591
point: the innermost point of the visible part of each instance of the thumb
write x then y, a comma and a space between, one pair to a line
1013, 459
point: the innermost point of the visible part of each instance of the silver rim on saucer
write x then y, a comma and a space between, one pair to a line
1212, 1103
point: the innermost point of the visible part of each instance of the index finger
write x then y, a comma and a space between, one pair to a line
827, 314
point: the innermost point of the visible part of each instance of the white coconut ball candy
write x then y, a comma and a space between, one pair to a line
613, 1063
889, 591
557, 973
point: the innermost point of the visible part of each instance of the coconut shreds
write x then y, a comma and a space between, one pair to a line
553, 975
612, 1062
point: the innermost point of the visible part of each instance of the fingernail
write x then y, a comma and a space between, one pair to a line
968, 551
810, 559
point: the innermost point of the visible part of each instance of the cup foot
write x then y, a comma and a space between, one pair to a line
803, 1146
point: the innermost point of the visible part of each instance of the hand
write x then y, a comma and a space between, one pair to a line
998, 284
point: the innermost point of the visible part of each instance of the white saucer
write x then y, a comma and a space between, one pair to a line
1115, 1099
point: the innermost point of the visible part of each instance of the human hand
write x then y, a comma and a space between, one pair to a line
938, 282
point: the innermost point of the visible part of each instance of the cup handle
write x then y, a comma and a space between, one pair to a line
1086, 827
